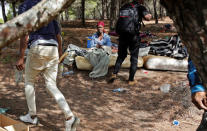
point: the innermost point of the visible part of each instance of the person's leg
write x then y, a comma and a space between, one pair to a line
122, 54
134, 51
30, 74
50, 75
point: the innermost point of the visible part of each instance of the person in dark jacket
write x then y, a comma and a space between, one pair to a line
131, 42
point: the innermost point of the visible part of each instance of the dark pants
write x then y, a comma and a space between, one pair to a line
132, 42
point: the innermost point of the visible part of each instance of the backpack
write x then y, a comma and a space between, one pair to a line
128, 21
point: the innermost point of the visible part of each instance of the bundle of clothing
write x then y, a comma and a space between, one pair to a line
171, 47
147, 34
99, 58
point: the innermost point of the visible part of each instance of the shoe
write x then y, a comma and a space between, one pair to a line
70, 125
112, 78
132, 83
27, 119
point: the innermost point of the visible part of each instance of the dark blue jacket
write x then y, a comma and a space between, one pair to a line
193, 77
47, 32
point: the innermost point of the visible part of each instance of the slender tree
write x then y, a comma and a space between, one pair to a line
3, 11
108, 8
104, 8
83, 12
155, 11
14, 8
114, 13
66, 15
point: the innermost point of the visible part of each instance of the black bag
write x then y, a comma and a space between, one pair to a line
128, 21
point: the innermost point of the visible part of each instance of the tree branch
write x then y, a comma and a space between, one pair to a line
32, 20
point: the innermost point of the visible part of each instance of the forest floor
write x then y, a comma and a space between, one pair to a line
141, 108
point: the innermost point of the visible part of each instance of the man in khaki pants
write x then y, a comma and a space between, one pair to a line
44, 50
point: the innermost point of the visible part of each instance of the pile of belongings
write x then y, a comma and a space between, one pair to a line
147, 34
171, 47
98, 58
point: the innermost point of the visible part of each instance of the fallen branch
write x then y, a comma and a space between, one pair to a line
33, 19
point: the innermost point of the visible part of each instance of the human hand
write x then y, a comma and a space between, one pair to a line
148, 17
20, 64
98, 46
199, 100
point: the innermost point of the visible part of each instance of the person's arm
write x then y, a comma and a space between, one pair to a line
23, 46
59, 40
58, 37
148, 17
108, 41
197, 89
145, 14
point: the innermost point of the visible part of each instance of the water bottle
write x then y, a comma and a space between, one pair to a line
119, 90
18, 76
89, 42
68, 73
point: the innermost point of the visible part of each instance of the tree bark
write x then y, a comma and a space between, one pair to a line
155, 11
66, 15
3, 11
104, 6
33, 19
190, 19
108, 9
114, 13
94, 13
103, 13
83, 12
161, 12
14, 8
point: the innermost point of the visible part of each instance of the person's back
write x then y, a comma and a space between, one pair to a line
128, 21
129, 37
46, 34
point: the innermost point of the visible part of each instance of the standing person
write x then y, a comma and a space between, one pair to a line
128, 26
45, 48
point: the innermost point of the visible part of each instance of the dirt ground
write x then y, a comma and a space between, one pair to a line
141, 108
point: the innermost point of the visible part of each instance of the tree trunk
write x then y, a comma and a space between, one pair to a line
14, 8
114, 13
62, 17
155, 11
108, 9
3, 11
83, 12
190, 19
66, 15
103, 13
94, 13
33, 19
161, 12
104, 10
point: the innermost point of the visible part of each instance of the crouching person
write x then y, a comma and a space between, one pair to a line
100, 38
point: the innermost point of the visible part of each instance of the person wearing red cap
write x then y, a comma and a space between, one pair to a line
100, 38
